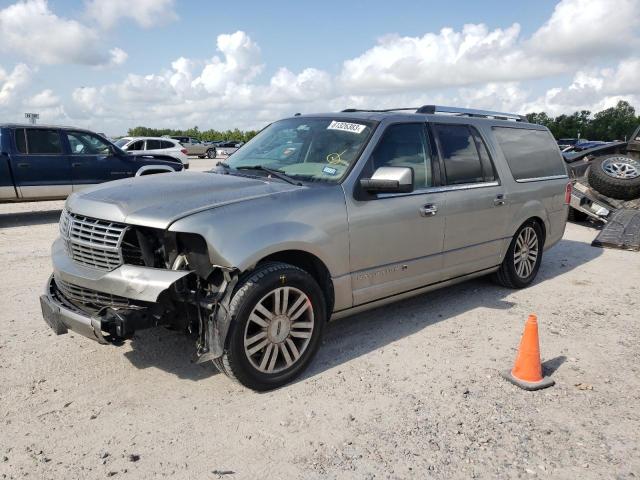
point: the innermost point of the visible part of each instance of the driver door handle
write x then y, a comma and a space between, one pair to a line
428, 210
76, 164
499, 200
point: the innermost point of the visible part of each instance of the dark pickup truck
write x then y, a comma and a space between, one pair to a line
51, 162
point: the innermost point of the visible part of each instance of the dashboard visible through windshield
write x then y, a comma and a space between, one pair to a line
312, 149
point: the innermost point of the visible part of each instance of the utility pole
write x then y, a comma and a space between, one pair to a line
33, 117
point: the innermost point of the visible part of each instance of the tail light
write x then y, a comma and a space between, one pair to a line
567, 193
184, 150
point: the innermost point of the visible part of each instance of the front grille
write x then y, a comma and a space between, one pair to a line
90, 299
91, 241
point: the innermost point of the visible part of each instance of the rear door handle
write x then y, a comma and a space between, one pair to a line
24, 165
499, 200
428, 210
76, 164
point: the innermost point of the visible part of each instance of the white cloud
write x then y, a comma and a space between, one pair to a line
146, 13
118, 56
11, 83
592, 90
448, 58
44, 99
588, 28
30, 29
241, 63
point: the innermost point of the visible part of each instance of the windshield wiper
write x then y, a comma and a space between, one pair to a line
274, 173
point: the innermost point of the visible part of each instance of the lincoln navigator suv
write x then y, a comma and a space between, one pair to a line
316, 218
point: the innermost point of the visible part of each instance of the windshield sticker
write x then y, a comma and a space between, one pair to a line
329, 170
346, 127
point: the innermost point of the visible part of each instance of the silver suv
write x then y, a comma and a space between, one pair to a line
316, 218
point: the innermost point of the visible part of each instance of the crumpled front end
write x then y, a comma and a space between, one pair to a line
110, 279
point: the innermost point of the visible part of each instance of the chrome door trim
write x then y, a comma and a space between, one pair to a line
540, 179
444, 188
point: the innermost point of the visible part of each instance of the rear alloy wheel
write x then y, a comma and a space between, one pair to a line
278, 317
522, 260
211, 153
616, 176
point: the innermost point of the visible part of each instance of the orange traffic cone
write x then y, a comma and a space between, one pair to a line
527, 371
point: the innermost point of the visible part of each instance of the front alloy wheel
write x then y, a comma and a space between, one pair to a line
278, 314
279, 330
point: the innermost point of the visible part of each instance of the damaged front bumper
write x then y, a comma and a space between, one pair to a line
102, 305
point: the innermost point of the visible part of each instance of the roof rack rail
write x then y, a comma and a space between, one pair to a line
471, 112
432, 109
352, 110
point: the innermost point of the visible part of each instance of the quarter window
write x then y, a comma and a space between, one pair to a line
530, 153
460, 154
42, 141
405, 145
166, 144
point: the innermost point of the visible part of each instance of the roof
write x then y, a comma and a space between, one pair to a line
40, 125
129, 137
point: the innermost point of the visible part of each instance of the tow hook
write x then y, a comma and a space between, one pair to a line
120, 324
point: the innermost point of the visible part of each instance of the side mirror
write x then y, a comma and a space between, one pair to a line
389, 180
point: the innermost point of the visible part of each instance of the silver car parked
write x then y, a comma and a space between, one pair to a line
316, 218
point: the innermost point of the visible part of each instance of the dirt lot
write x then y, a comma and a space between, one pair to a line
407, 391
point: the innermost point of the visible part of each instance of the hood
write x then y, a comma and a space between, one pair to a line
159, 200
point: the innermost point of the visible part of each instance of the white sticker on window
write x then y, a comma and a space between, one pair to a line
346, 127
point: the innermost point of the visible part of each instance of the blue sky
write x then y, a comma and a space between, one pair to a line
107, 64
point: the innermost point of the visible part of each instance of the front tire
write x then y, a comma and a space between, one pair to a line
278, 316
522, 260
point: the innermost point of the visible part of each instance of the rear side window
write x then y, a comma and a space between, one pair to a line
405, 145
41, 141
530, 153
459, 148
153, 145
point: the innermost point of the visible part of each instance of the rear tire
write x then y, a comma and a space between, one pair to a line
211, 153
278, 316
519, 267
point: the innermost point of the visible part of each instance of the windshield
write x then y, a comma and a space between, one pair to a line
122, 142
315, 149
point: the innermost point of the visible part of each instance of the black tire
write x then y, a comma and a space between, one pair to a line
211, 153
507, 276
619, 188
235, 361
201, 156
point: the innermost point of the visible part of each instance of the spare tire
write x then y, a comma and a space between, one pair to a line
616, 176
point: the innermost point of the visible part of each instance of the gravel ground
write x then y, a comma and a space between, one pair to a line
411, 390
